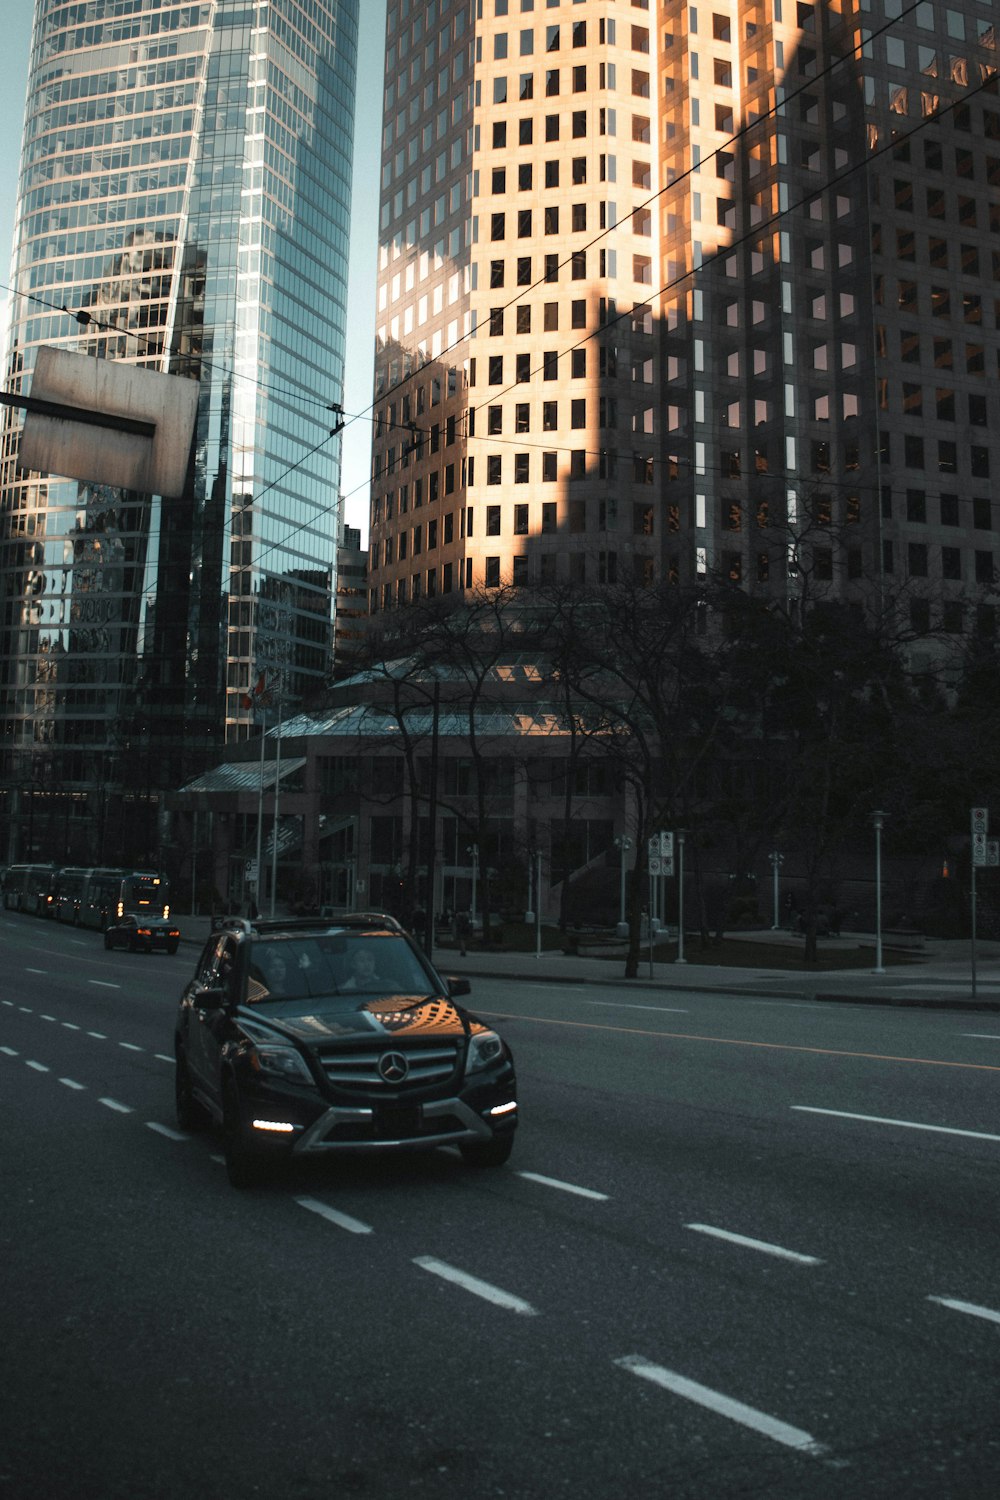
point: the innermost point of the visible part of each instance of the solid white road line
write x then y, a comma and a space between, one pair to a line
725, 1406
171, 1135
565, 1187
667, 1010
72, 1084
122, 1109
38, 1067
968, 1307
983, 1036
841, 1114
472, 1284
750, 1244
342, 1221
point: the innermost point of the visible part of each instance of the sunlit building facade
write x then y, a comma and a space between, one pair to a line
668, 290
184, 204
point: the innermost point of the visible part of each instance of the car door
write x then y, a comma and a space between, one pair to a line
205, 1023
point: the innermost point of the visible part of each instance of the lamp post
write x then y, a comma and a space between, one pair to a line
777, 860
473, 850
623, 843
680, 959
877, 820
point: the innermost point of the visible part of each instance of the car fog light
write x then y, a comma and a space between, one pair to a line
282, 1127
504, 1109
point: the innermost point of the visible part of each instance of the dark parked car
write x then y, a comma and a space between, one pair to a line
315, 1037
141, 933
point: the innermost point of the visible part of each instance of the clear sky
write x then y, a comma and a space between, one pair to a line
364, 226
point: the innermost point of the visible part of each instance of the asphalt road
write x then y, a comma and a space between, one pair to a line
742, 1248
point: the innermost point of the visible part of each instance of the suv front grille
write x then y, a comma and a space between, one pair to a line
359, 1070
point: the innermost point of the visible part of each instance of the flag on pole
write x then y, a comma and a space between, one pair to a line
257, 697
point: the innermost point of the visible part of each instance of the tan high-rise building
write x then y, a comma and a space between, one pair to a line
671, 289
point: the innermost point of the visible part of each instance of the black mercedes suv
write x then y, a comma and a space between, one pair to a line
310, 1036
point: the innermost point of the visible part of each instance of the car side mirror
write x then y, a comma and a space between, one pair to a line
214, 997
458, 985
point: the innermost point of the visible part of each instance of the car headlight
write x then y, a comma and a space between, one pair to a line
485, 1048
283, 1063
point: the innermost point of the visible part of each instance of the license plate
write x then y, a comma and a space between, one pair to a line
396, 1124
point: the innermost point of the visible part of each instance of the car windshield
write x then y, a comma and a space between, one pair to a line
336, 962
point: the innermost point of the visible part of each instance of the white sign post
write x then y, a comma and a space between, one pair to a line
980, 819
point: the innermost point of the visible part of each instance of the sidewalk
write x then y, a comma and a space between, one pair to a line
938, 976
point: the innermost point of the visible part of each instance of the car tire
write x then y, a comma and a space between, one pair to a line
191, 1115
172, 946
107, 941
244, 1166
490, 1154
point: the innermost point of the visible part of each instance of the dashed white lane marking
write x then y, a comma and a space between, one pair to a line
9, 1052
104, 984
46, 1018
342, 1221
71, 1026
162, 1057
971, 1308
842, 1114
472, 1284
98, 1034
122, 1109
131, 1047
171, 1135
71, 1083
26, 1010
983, 1036
667, 1010
565, 1187
751, 1244
36, 971
38, 1067
725, 1406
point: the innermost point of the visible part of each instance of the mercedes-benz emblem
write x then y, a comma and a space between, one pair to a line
393, 1067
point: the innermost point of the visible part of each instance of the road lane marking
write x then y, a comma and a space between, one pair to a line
122, 1109
171, 1135
483, 1289
71, 1083
751, 1244
983, 1036
342, 1221
667, 1010
36, 971
731, 1041
968, 1307
565, 1187
38, 1067
71, 1026
9, 1052
131, 1047
724, 1406
98, 1034
162, 1057
26, 1010
104, 984
46, 1018
843, 1114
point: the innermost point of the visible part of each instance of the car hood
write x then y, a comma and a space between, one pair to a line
316, 1021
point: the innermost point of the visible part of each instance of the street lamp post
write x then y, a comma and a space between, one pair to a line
680, 959
777, 860
623, 843
473, 850
877, 820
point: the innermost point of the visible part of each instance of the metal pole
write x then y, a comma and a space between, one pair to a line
277, 783
877, 820
260, 818
775, 866
680, 959
621, 885
538, 903
474, 851
973, 949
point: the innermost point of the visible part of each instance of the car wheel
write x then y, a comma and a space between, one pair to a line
244, 1165
172, 946
190, 1114
107, 940
490, 1154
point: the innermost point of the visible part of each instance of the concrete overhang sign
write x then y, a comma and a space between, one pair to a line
107, 422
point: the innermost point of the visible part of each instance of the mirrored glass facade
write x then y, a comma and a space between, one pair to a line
184, 204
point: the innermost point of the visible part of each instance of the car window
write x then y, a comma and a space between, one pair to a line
335, 963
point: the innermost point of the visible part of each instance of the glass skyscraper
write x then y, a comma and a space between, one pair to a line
184, 204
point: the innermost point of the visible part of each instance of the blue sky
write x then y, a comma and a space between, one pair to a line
364, 229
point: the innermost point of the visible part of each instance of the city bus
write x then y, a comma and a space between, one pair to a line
108, 894
30, 888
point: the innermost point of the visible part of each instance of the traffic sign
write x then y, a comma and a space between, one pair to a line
979, 849
655, 864
980, 820
993, 851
